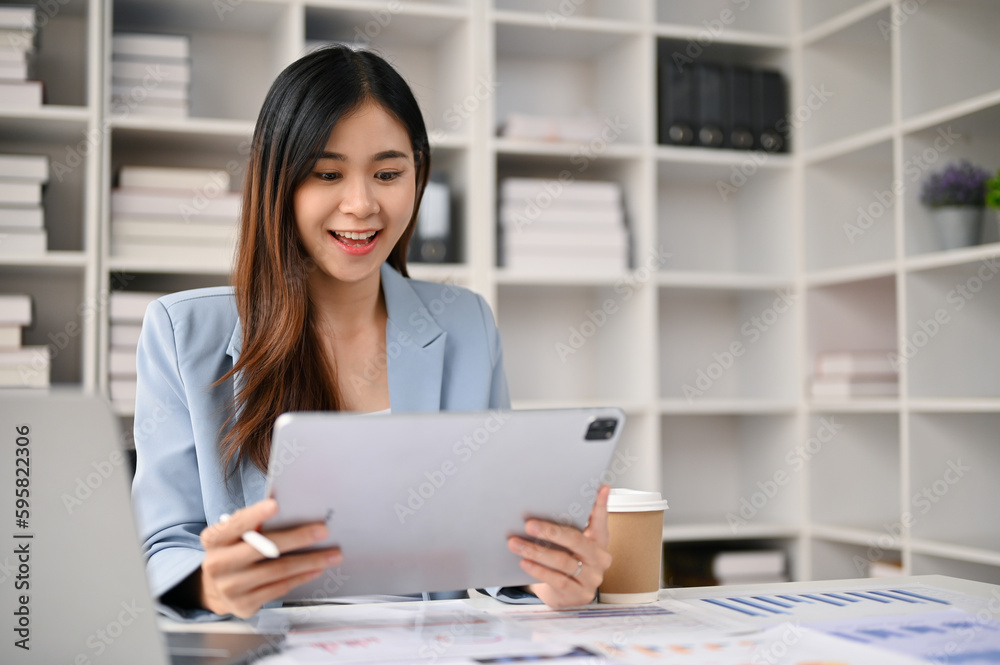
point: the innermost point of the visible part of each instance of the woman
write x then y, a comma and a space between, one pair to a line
338, 164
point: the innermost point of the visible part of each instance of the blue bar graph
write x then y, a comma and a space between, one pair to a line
763, 605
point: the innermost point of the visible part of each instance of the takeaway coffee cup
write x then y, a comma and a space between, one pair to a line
635, 524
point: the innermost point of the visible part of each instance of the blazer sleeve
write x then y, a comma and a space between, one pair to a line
166, 490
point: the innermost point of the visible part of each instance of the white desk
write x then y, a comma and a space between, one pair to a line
447, 631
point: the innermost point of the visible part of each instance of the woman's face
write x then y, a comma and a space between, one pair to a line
351, 210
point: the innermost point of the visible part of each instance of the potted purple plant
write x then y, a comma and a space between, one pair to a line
955, 196
993, 195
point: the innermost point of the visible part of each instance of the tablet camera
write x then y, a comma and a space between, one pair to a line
601, 429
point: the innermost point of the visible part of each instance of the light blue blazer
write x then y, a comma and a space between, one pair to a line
443, 353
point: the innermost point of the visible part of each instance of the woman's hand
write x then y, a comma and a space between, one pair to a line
570, 578
237, 579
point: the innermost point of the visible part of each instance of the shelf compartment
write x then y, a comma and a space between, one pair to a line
951, 484
964, 38
975, 137
60, 310
141, 147
690, 563
716, 218
559, 12
834, 560
572, 73
557, 168
454, 165
62, 53
850, 204
823, 17
950, 335
254, 37
432, 53
846, 85
562, 342
923, 564
717, 18
744, 455
718, 344
145, 147
854, 477
64, 196
856, 316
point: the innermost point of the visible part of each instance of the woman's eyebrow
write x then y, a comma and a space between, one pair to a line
389, 154
378, 157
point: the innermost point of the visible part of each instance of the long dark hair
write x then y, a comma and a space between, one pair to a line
282, 366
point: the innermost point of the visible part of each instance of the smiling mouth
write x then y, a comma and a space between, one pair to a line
354, 239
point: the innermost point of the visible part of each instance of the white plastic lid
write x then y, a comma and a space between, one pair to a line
634, 501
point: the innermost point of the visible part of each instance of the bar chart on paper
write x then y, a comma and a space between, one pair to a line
827, 605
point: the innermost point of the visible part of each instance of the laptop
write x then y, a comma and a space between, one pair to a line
426, 501
72, 578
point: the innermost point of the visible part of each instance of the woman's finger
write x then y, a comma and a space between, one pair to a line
597, 526
239, 582
249, 604
230, 531
288, 540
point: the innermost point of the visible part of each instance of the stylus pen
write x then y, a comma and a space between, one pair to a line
256, 540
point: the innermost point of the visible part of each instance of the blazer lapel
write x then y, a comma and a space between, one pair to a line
415, 347
250, 478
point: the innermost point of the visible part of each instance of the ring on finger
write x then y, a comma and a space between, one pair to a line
579, 567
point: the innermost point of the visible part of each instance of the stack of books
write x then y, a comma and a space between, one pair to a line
551, 225
709, 563
126, 311
885, 568
22, 218
151, 74
855, 374
18, 36
20, 366
179, 211
532, 127
749, 567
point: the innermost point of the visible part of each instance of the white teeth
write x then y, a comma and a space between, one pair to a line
355, 236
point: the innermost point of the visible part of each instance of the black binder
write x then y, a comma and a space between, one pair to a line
739, 125
675, 124
770, 110
710, 106
433, 238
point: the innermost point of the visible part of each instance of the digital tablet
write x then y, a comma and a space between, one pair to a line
426, 501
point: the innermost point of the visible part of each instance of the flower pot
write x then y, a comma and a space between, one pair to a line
958, 226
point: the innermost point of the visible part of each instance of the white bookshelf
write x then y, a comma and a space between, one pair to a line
767, 265
915, 103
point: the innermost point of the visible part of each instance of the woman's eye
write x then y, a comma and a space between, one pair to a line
386, 176
328, 176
